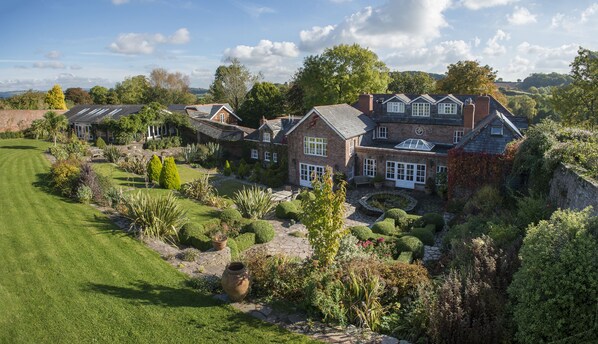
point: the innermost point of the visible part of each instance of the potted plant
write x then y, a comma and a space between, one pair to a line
430, 187
219, 240
378, 181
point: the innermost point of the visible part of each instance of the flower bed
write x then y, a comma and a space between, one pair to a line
393, 199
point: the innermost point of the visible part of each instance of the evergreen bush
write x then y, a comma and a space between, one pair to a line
405, 257
245, 241
362, 233
287, 210
411, 244
201, 242
399, 215
231, 216
189, 230
100, 143
234, 248
84, 194
169, 176
433, 218
154, 168
264, 232
227, 169
386, 227
426, 235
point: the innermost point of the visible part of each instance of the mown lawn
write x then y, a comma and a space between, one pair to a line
68, 275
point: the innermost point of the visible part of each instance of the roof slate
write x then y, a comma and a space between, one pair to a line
481, 140
279, 128
97, 113
346, 120
208, 111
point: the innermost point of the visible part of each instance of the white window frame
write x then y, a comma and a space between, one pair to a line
395, 107
440, 169
391, 170
420, 109
500, 130
316, 146
382, 132
266, 156
369, 167
457, 136
254, 154
266, 136
420, 173
306, 171
447, 109
274, 157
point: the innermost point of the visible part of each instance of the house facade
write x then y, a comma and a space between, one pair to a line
404, 138
268, 144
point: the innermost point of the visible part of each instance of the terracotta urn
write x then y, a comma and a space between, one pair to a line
235, 281
219, 242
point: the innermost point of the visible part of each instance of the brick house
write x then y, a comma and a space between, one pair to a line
268, 143
405, 138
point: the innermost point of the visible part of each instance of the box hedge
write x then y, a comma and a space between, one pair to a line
287, 210
433, 218
426, 235
231, 216
386, 227
264, 232
245, 241
362, 233
200, 241
398, 215
188, 230
405, 257
234, 248
410, 243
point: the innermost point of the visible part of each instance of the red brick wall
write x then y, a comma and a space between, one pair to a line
15, 120
337, 148
398, 132
228, 118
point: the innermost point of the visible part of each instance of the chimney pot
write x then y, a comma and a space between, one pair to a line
482, 108
366, 103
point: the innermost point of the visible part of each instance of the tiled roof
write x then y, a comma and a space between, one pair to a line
346, 120
218, 131
208, 111
277, 126
480, 139
97, 113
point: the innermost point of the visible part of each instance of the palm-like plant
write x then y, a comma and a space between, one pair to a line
54, 124
253, 202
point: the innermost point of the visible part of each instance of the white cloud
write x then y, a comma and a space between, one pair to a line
395, 24
589, 12
145, 43
433, 58
53, 55
476, 41
479, 4
521, 16
555, 59
119, 2
519, 65
49, 65
265, 53
254, 10
493, 48
572, 22
65, 80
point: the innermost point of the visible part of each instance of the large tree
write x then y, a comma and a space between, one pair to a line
577, 103
231, 83
133, 90
99, 94
55, 98
264, 99
54, 123
169, 88
411, 83
77, 95
340, 74
469, 77
524, 106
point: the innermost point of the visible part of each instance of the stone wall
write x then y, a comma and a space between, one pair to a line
17, 120
569, 190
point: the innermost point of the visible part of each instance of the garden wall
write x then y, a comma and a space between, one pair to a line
17, 120
569, 190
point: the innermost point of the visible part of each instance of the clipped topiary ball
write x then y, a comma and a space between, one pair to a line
386, 227
399, 215
154, 168
426, 235
200, 241
188, 230
362, 233
245, 241
433, 218
169, 177
286, 210
264, 232
230, 216
411, 244
100, 143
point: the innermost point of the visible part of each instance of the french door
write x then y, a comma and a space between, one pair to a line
306, 173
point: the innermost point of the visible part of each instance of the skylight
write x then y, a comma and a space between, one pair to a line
415, 144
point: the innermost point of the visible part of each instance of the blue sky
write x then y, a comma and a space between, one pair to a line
100, 42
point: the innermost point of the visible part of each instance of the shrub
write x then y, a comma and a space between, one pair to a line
556, 288
192, 153
433, 218
253, 202
65, 176
264, 232
227, 170
99, 185
399, 215
158, 217
486, 201
230, 216
531, 210
287, 210
242, 170
426, 235
84, 194
134, 164
503, 234
154, 168
164, 143
112, 153
100, 143
362, 233
201, 190
169, 177
189, 255
201, 242
350, 249
277, 277
234, 248
405, 257
386, 227
189, 230
411, 244
11, 135
245, 241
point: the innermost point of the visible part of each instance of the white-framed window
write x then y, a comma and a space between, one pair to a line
266, 156
369, 167
221, 118
315, 146
395, 107
441, 174
266, 136
496, 130
254, 154
382, 132
447, 109
420, 109
420, 174
275, 157
351, 147
457, 136
391, 170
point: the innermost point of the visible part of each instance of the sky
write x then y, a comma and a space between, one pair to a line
85, 43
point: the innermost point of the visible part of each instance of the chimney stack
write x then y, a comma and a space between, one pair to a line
366, 103
469, 114
262, 120
482, 108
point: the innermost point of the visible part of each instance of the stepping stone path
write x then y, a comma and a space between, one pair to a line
434, 252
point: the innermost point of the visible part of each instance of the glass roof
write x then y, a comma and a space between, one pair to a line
415, 144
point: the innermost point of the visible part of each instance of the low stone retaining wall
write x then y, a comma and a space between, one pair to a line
570, 190
370, 210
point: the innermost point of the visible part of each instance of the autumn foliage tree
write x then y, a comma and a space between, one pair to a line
77, 95
55, 98
469, 77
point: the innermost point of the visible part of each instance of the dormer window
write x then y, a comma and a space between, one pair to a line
395, 107
266, 137
496, 130
447, 109
420, 109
